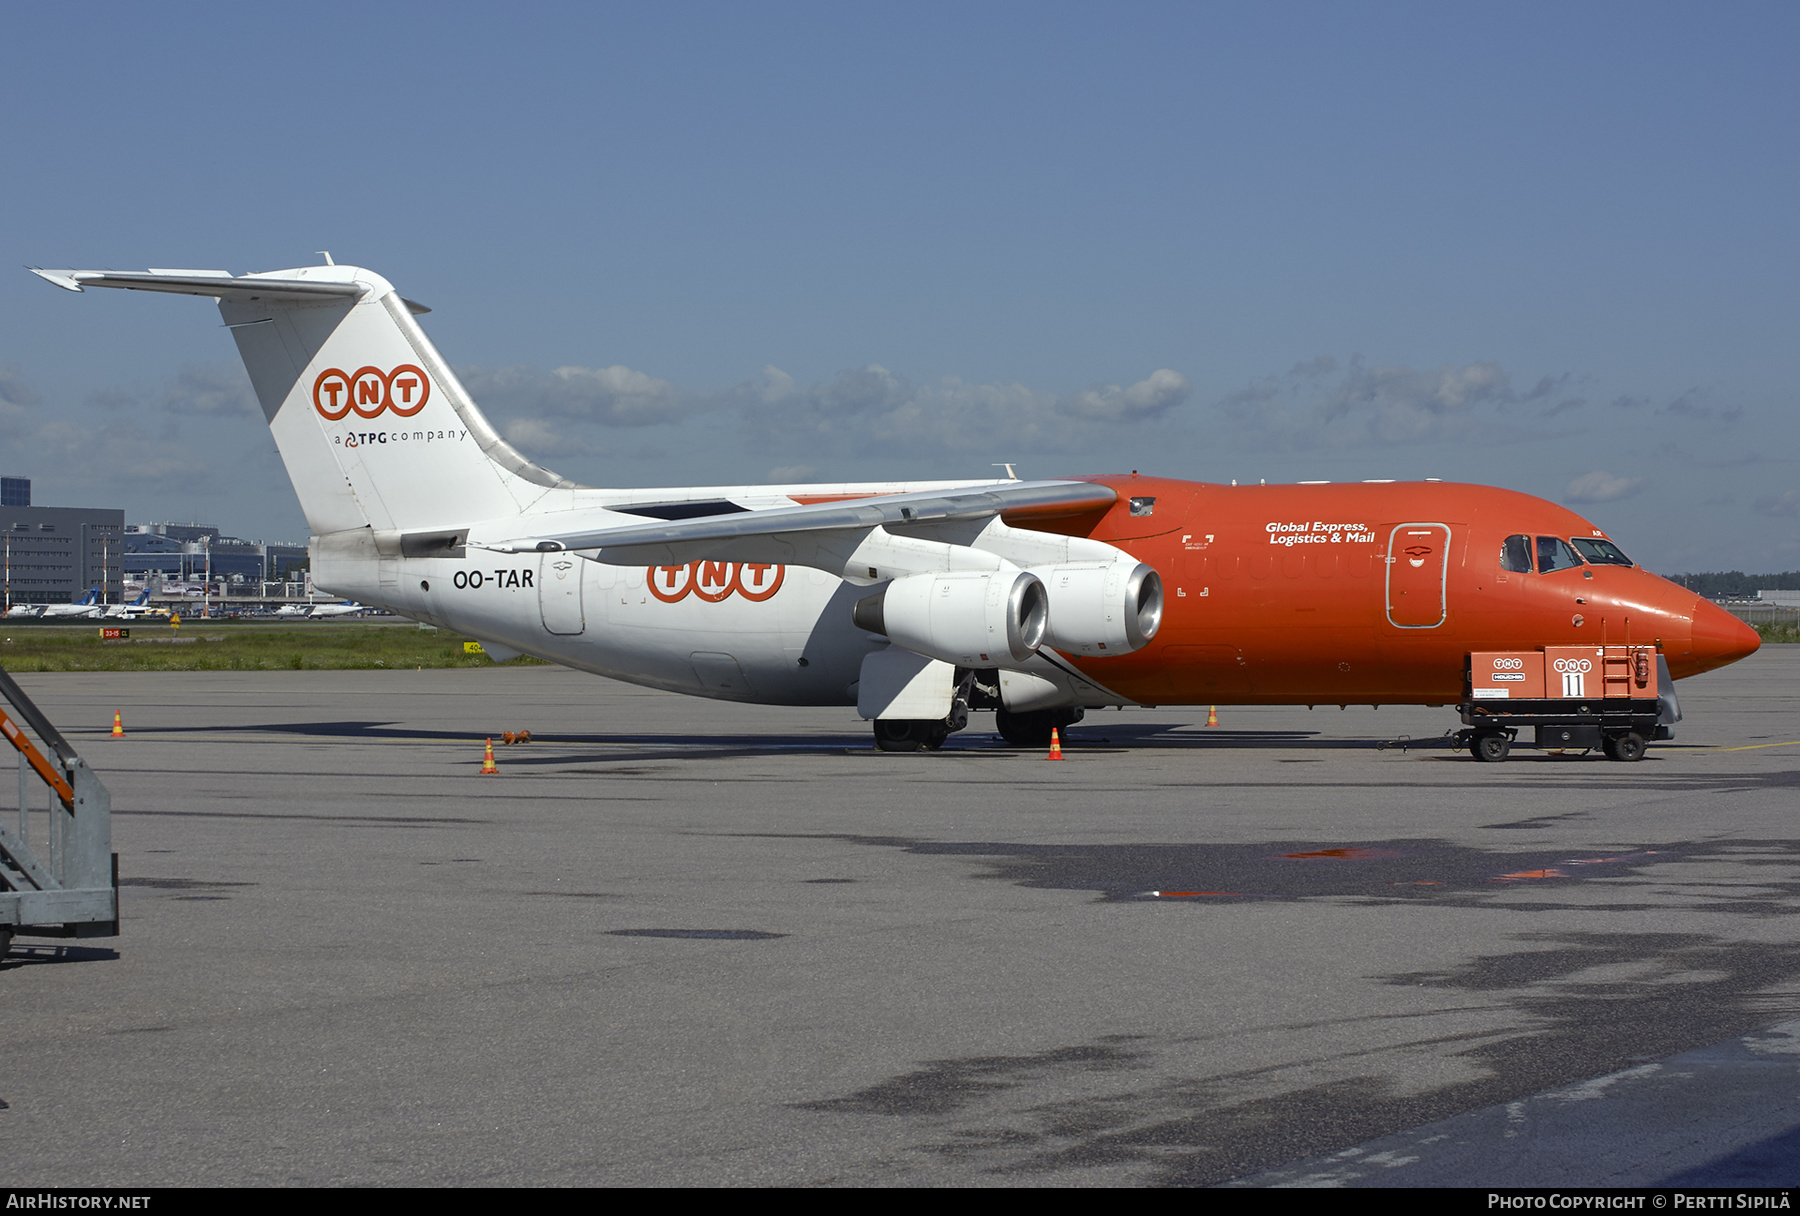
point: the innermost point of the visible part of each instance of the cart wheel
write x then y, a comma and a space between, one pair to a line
1491, 747
1626, 747
5, 942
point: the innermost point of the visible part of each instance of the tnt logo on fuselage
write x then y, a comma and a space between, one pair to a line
715, 581
369, 391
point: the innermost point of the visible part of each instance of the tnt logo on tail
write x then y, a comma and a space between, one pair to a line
369, 391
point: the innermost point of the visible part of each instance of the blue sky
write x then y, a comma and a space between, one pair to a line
1551, 247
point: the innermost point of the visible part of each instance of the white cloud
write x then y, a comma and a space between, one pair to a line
872, 411
538, 437
1313, 406
1601, 486
1148, 398
15, 394
1785, 503
217, 389
613, 396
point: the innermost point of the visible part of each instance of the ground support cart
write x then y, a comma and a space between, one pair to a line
1616, 699
72, 889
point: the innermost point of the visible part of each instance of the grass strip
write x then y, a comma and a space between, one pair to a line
212, 646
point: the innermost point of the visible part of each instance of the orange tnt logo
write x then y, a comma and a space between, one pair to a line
369, 390
715, 581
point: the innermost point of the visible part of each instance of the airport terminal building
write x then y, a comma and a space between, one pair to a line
172, 552
55, 555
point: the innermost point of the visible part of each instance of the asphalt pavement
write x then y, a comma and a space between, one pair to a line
680, 942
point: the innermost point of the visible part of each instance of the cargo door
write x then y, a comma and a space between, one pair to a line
559, 592
1418, 564
720, 674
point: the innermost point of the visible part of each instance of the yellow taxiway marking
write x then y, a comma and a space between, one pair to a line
1753, 746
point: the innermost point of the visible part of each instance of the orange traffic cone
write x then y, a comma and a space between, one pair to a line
488, 767
1212, 715
118, 726
1055, 745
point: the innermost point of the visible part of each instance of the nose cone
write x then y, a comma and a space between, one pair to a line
1719, 637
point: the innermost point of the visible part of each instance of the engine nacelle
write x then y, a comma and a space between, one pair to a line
970, 618
1102, 608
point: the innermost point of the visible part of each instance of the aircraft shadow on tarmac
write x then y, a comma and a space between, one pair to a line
1099, 732
1394, 871
1581, 1005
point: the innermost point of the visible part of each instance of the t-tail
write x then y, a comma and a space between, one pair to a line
375, 429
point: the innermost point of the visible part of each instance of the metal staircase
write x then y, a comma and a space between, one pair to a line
72, 888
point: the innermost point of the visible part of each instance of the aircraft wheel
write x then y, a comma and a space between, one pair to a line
1027, 729
1627, 747
907, 735
1491, 747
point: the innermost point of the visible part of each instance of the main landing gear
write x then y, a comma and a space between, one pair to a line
975, 689
1024, 730
907, 735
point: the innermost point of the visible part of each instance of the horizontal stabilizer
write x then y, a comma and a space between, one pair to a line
201, 283
1041, 499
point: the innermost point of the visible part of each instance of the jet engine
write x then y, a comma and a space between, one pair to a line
972, 618
1102, 608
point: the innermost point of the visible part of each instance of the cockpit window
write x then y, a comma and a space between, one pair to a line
1553, 553
1515, 554
1600, 552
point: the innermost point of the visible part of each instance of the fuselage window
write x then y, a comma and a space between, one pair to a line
1600, 552
1553, 553
1515, 554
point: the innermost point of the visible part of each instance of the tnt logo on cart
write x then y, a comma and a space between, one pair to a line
1573, 672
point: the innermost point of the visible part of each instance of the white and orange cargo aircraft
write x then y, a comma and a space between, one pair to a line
914, 601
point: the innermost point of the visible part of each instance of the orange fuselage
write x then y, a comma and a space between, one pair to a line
1370, 593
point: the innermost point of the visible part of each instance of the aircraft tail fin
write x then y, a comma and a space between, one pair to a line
373, 426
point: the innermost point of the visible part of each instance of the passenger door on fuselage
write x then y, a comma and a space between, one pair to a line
1418, 567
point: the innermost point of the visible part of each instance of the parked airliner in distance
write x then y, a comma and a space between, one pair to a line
914, 601
315, 612
87, 608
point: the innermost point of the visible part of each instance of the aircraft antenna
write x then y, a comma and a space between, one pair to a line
1008, 466
326, 254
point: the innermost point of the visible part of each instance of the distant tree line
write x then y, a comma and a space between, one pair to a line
1735, 584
